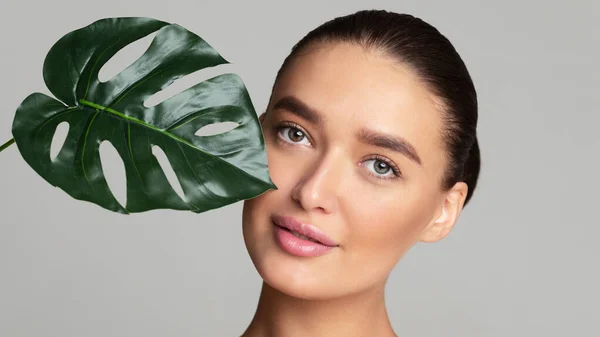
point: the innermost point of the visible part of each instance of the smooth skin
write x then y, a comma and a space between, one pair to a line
328, 175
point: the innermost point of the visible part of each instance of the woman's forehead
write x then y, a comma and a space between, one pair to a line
346, 77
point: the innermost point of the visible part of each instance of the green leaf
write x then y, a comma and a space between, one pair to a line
213, 170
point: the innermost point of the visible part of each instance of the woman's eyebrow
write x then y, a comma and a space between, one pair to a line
299, 108
390, 142
371, 137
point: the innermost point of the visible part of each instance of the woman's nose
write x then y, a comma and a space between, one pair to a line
319, 184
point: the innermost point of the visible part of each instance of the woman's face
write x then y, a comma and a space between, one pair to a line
354, 148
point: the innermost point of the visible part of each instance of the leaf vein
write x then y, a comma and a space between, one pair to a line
131, 153
84, 145
94, 67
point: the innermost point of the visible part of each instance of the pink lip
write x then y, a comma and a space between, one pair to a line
294, 245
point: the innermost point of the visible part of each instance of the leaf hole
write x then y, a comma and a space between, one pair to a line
216, 128
114, 171
125, 57
186, 82
58, 140
168, 170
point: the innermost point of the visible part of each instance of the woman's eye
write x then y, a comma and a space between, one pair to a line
381, 169
293, 135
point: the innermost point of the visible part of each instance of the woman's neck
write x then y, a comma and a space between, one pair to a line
360, 315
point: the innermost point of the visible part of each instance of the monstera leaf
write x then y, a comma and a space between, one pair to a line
213, 170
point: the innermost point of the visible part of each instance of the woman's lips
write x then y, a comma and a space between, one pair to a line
301, 239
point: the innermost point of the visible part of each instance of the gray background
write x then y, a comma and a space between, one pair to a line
522, 261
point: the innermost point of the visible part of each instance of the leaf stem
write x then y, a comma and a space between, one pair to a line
7, 144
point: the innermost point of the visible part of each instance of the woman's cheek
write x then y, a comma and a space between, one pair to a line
275, 161
281, 169
386, 230
288, 164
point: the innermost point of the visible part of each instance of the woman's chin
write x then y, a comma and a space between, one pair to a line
295, 287
303, 278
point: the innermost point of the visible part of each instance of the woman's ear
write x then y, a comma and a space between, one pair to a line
446, 215
261, 118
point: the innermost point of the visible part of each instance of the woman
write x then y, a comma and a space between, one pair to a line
371, 140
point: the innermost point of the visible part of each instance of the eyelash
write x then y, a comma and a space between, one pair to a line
290, 125
395, 170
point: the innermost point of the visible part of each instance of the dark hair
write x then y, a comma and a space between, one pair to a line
426, 51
